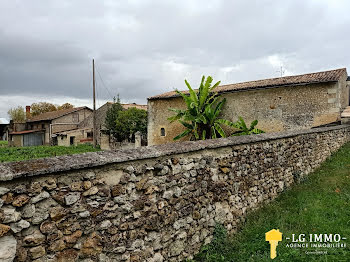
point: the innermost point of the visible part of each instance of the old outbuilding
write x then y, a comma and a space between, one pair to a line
284, 103
41, 129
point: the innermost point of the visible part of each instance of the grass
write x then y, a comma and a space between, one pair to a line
3, 143
320, 204
8, 154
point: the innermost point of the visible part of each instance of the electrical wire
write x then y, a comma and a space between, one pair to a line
103, 83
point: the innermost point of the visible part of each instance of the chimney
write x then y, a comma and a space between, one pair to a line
27, 112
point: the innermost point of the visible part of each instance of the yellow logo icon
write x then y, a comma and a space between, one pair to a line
273, 236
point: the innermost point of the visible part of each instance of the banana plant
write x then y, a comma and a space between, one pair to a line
201, 117
242, 127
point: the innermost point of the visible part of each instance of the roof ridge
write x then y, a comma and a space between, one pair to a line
275, 78
128, 104
315, 77
62, 112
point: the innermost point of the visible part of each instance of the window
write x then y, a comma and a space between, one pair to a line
75, 117
162, 131
89, 134
71, 140
42, 126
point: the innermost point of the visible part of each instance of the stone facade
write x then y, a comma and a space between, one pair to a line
73, 119
75, 137
156, 203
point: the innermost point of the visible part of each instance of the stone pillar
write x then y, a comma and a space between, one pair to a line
137, 139
105, 142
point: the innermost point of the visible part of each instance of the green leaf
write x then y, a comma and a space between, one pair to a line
253, 124
204, 134
174, 118
213, 101
187, 99
216, 84
257, 131
195, 133
213, 132
220, 130
183, 134
202, 83
202, 119
218, 108
239, 134
178, 111
187, 125
228, 123
242, 124
204, 91
193, 94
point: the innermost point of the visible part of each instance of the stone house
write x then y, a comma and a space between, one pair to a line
41, 129
284, 103
102, 139
74, 137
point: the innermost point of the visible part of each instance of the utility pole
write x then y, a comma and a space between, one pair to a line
281, 71
94, 134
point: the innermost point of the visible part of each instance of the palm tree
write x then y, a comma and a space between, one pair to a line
201, 117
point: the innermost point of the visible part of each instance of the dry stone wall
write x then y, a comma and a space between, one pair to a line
150, 204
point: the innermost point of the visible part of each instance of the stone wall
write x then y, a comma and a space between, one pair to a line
109, 142
156, 203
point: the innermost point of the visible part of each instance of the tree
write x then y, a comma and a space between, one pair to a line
130, 121
65, 106
242, 127
201, 116
42, 107
111, 116
17, 114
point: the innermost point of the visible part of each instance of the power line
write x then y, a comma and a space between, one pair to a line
281, 71
97, 97
98, 72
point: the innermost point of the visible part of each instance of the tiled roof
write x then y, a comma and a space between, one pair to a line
127, 106
319, 77
27, 132
55, 114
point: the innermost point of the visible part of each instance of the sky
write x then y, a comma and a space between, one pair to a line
146, 47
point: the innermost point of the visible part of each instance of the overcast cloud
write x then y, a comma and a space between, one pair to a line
143, 48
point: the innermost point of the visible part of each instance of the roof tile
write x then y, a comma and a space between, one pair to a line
127, 106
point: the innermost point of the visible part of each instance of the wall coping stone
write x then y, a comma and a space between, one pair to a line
41, 166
